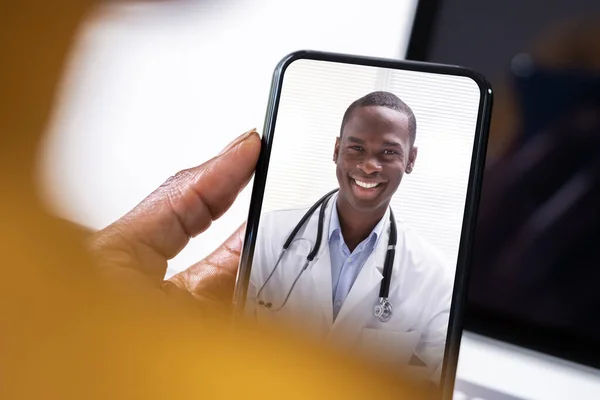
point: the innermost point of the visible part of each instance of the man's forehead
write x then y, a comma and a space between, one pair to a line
377, 122
389, 139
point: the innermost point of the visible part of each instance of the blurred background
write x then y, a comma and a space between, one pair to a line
155, 87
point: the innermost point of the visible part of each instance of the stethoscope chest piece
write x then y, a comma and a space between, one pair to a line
383, 310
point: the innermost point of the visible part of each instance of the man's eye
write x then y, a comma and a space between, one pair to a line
390, 152
356, 148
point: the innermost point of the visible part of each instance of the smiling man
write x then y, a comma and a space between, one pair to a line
374, 151
331, 287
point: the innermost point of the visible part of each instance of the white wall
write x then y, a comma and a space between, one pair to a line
315, 96
159, 87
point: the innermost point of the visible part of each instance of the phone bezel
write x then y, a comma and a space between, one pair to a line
471, 204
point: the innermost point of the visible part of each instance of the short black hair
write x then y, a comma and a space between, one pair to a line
383, 99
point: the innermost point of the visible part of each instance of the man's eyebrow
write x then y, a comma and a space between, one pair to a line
354, 139
392, 144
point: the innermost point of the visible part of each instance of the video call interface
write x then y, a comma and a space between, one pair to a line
363, 207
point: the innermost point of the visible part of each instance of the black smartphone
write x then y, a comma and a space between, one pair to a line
363, 207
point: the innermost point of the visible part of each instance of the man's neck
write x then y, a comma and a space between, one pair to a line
357, 226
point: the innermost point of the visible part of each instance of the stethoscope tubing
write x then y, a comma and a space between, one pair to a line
383, 309
323, 203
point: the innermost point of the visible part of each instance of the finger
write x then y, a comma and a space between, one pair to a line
187, 203
214, 276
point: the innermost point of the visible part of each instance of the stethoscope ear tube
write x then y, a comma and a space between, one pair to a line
269, 277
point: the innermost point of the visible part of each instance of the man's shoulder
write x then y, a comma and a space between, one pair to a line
276, 225
283, 217
420, 249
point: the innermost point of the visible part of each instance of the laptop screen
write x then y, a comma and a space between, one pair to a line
536, 271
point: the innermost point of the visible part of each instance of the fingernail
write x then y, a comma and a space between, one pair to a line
238, 140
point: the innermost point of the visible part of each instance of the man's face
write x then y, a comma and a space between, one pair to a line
372, 155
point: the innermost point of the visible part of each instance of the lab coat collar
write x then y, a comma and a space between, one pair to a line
321, 269
378, 256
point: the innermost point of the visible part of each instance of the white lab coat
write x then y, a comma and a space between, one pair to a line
420, 292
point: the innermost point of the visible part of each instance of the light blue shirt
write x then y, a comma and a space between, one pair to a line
345, 266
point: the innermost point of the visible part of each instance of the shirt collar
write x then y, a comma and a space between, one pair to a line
334, 222
335, 228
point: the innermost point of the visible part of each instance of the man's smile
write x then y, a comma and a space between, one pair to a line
366, 184
365, 189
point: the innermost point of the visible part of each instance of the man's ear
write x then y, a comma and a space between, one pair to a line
412, 157
336, 149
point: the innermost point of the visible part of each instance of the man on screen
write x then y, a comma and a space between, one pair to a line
332, 287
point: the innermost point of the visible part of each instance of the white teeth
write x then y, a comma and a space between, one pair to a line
365, 184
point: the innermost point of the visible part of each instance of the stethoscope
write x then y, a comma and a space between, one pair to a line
383, 309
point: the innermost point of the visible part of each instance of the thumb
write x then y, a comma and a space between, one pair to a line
158, 228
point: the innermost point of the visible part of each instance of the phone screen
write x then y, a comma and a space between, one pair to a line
362, 206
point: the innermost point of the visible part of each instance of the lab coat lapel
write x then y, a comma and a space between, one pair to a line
353, 311
321, 275
321, 269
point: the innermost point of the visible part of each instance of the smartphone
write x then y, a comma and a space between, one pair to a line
363, 207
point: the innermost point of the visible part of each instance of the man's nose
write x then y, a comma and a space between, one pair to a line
370, 165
